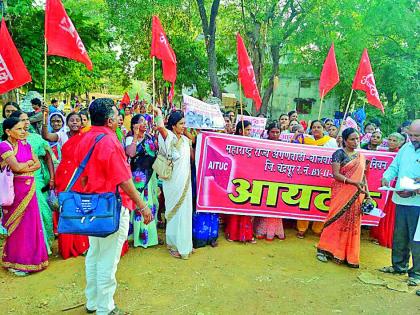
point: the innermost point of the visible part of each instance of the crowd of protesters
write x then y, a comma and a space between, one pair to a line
40, 148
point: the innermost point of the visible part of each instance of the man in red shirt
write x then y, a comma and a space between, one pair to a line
106, 169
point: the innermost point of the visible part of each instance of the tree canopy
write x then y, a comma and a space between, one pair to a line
282, 37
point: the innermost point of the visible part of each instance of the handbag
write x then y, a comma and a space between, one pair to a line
163, 166
7, 195
88, 213
367, 206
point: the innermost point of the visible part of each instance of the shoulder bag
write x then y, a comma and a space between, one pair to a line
7, 195
88, 214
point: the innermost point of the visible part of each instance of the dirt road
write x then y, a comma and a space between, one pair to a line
281, 277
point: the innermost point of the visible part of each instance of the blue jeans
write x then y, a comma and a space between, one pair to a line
406, 218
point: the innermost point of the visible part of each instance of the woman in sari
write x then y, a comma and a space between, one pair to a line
8, 109
384, 232
69, 245
74, 126
44, 177
24, 249
177, 190
239, 227
340, 238
141, 148
317, 138
269, 228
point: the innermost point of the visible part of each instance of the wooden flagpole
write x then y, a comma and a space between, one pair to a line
153, 92
320, 105
45, 80
242, 108
346, 111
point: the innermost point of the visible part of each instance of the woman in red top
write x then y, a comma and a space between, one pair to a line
239, 227
384, 232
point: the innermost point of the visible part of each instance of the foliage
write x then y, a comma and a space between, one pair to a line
25, 21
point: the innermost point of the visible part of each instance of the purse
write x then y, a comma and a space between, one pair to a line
367, 206
163, 166
88, 214
7, 195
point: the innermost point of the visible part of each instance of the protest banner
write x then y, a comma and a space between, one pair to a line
258, 124
241, 175
201, 115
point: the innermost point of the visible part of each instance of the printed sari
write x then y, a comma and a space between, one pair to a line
340, 238
146, 183
24, 248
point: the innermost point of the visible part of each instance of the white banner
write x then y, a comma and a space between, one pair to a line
200, 115
258, 124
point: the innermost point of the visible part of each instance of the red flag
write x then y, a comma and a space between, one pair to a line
126, 99
246, 73
61, 35
329, 74
137, 97
171, 93
365, 81
163, 51
13, 72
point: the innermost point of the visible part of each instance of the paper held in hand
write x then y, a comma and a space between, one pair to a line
406, 183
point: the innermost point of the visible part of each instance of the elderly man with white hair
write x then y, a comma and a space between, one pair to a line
406, 164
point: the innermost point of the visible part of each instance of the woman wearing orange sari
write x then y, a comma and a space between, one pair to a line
340, 238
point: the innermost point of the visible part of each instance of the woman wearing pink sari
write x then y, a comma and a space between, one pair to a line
24, 249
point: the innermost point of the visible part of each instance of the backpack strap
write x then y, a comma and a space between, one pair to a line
79, 170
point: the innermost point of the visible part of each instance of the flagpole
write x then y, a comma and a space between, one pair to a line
242, 109
45, 80
346, 111
153, 92
320, 105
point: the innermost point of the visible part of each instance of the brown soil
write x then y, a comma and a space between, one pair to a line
281, 277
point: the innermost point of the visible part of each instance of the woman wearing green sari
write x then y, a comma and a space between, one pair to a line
44, 177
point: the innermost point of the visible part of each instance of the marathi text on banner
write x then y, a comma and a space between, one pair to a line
200, 115
287, 180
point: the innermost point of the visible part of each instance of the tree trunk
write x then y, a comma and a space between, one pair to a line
275, 54
209, 30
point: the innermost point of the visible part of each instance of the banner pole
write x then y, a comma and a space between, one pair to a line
240, 103
45, 80
153, 92
320, 105
346, 111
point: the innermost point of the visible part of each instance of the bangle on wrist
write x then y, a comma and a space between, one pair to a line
345, 179
144, 208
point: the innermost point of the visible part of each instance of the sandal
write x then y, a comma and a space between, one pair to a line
174, 253
322, 257
253, 241
413, 282
300, 235
214, 244
392, 270
18, 273
118, 311
418, 292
